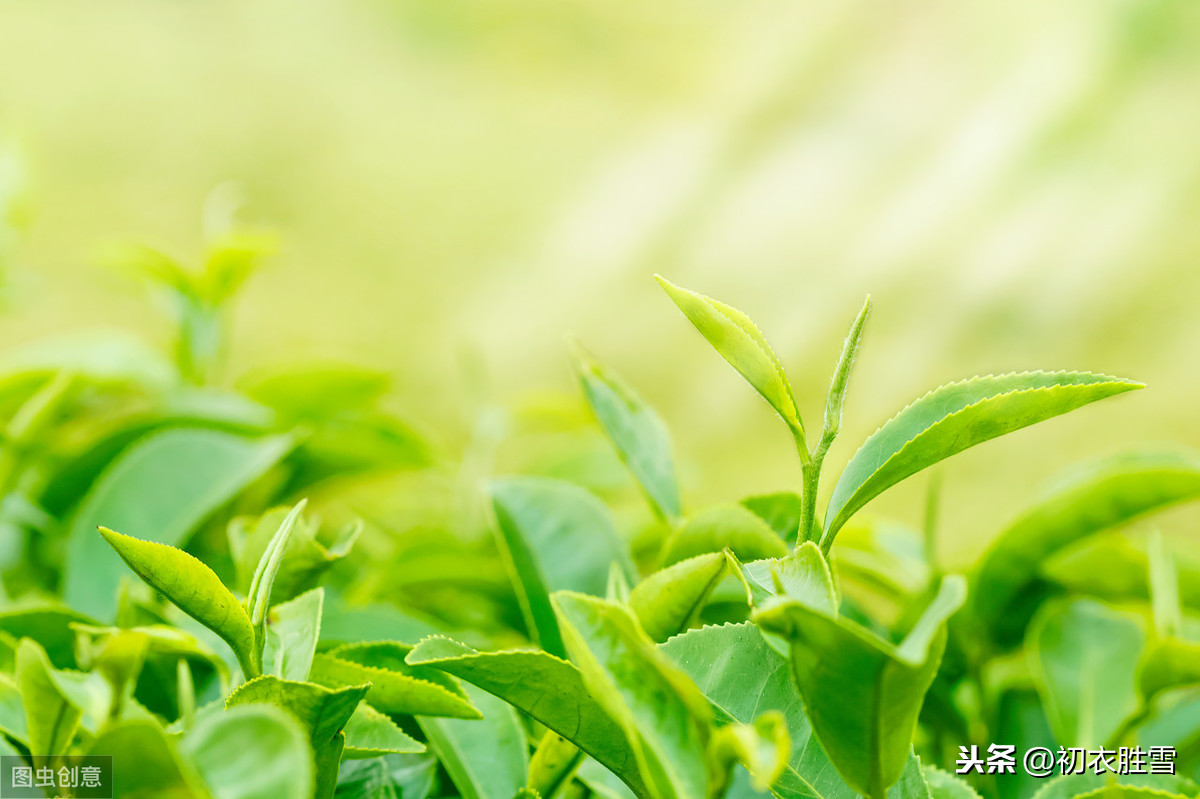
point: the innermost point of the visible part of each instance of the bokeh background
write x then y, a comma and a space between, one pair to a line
1016, 184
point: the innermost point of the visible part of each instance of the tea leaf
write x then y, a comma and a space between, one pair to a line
720, 527
742, 676
661, 711
953, 418
762, 748
550, 690
251, 752
863, 693
943, 785
485, 759
194, 588
146, 764
370, 733
159, 489
395, 687
735, 337
553, 764
322, 714
667, 601
259, 597
50, 718
1084, 658
557, 536
1168, 663
1092, 784
635, 430
293, 629
1101, 495
781, 511
802, 574
12, 711
51, 625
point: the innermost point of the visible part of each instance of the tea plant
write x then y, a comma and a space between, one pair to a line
220, 640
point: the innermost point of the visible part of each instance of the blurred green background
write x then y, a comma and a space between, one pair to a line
1016, 184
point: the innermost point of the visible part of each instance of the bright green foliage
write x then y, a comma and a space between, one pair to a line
51, 719
292, 631
635, 429
666, 602
551, 691
802, 575
943, 785
720, 527
1088, 501
194, 588
739, 341
557, 537
953, 418
395, 687
662, 713
322, 713
251, 752
159, 490
1119, 786
486, 759
735, 653
862, 693
1084, 658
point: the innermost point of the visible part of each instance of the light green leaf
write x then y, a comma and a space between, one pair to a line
146, 764
395, 686
388, 777
548, 689
486, 758
862, 693
735, 337
720, 527
1088, 500
12, 712
666, 602
293, 629
305, 559
194, 588
258, 598
762, 748
51, 625
1073, 786
322, 714
553, 764
1168, 663
659, 708
802, 574
160, 489
314, 390
251, 752
742, 676
1084, 658
953, 418
556, 536
635, 430
944, 785
1164, 589
781, 511
370, 733
51, 719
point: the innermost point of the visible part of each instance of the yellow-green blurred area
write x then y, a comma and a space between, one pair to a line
1016, 184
